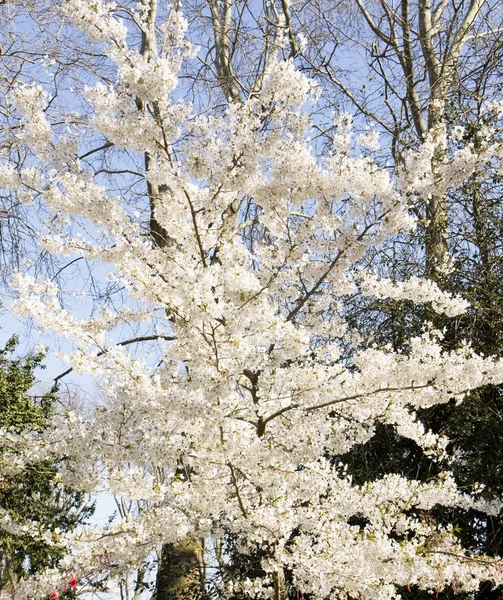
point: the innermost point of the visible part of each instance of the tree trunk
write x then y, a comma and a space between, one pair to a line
437, 229
180, 572
436, 238
280, 591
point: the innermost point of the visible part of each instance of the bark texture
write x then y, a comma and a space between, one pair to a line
180, 572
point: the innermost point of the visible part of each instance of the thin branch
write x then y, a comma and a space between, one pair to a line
314, 407
379, 32
143, 338
460, 37
236, 488
66, 266
104, 147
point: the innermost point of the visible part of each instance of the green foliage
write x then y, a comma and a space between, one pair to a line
35, 494
17, 409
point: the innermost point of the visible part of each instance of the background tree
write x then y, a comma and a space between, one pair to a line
458, 46
34, 494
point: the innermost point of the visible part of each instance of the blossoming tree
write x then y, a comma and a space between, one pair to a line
262, 385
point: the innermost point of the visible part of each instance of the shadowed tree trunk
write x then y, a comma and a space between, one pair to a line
280, 589
180, 573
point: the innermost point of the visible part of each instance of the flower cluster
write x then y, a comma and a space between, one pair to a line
416, 289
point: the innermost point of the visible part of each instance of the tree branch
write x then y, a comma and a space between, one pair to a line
143, 338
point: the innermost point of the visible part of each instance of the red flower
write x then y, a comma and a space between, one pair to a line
54, 594
73, 583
